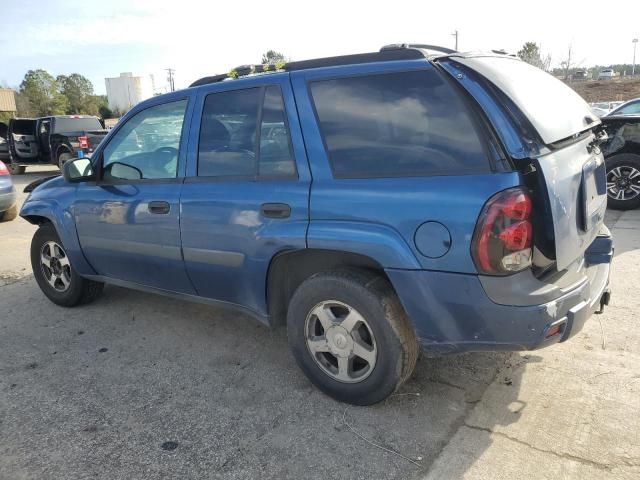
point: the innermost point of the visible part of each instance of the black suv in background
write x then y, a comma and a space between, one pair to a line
622, 156
50, 140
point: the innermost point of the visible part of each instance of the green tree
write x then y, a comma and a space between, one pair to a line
43, 94
78, 90
273, 57
23, 106
531, 53
102, 106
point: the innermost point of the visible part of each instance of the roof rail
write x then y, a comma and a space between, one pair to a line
358, 58
419, 46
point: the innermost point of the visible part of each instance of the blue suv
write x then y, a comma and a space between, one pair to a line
377, 204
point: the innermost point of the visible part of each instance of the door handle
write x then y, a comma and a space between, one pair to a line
275, 210
159, 207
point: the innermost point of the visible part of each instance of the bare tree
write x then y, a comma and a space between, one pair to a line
566, 64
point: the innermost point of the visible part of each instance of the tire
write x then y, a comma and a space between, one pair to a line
382, 328
16, 169
623, 171
9, 215
79, 290
63, 158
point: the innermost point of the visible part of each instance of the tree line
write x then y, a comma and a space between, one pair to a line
532, 53
41, 94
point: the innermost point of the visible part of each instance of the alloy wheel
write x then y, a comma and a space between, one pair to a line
623, 183
340, 341
55, 266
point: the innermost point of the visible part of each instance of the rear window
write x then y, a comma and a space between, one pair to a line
396, 124
76, 124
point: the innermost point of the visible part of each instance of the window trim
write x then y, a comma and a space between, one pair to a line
100, 157
256, 177
363, 175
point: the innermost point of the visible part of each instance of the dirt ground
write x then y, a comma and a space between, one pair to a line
607, 90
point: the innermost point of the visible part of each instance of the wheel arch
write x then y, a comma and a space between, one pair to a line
60, 150
40, 212
288, 269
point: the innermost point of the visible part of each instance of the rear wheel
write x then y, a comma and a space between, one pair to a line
63, 158
9, 215
16, 169
349, 334
623, 181
54, 273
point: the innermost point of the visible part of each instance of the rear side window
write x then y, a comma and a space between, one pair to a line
71, 124
396, 124
244, 133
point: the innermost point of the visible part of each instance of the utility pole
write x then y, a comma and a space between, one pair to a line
633, 69
170, 72
455, 34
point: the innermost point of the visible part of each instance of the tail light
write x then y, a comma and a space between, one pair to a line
3, 169
503, 236
83, 141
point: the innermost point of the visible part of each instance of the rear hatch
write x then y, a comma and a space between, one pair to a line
572, 168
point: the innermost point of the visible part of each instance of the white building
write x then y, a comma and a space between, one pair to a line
125, 91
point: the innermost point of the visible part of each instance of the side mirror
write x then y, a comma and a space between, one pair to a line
78, 170
121, 171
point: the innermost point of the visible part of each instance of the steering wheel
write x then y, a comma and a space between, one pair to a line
226, 148
169, 150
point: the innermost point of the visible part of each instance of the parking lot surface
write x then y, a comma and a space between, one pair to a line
142, 386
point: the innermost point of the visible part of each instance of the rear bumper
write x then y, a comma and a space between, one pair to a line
7, 199
452, 313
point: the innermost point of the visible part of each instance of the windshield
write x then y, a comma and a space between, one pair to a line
69, 124
555, 110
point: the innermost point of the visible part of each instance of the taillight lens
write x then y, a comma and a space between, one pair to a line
84, 142
3, 169
504, 235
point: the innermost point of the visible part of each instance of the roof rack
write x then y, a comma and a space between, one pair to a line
399, 52
418, 46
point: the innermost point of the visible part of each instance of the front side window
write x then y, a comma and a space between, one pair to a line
147, 145
244, 133
396, 124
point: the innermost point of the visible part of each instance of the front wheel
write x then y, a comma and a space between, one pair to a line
54, 272
623, 181
350, 335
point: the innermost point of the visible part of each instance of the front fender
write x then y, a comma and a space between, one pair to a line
34, 210
379, 242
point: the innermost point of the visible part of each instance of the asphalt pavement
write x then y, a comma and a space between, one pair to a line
138, 386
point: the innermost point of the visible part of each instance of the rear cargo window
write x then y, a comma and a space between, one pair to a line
396, 124
62, 124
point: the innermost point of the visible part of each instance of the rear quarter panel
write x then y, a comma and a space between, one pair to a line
378, 217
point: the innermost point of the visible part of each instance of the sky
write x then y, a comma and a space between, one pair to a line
198, 38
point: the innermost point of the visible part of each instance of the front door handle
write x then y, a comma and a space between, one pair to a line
275, 210
159, 207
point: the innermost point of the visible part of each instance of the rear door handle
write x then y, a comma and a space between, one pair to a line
275, 210
159, 207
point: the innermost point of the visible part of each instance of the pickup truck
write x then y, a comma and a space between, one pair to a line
51, 140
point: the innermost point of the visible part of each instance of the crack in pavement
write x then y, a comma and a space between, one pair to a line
566, 456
